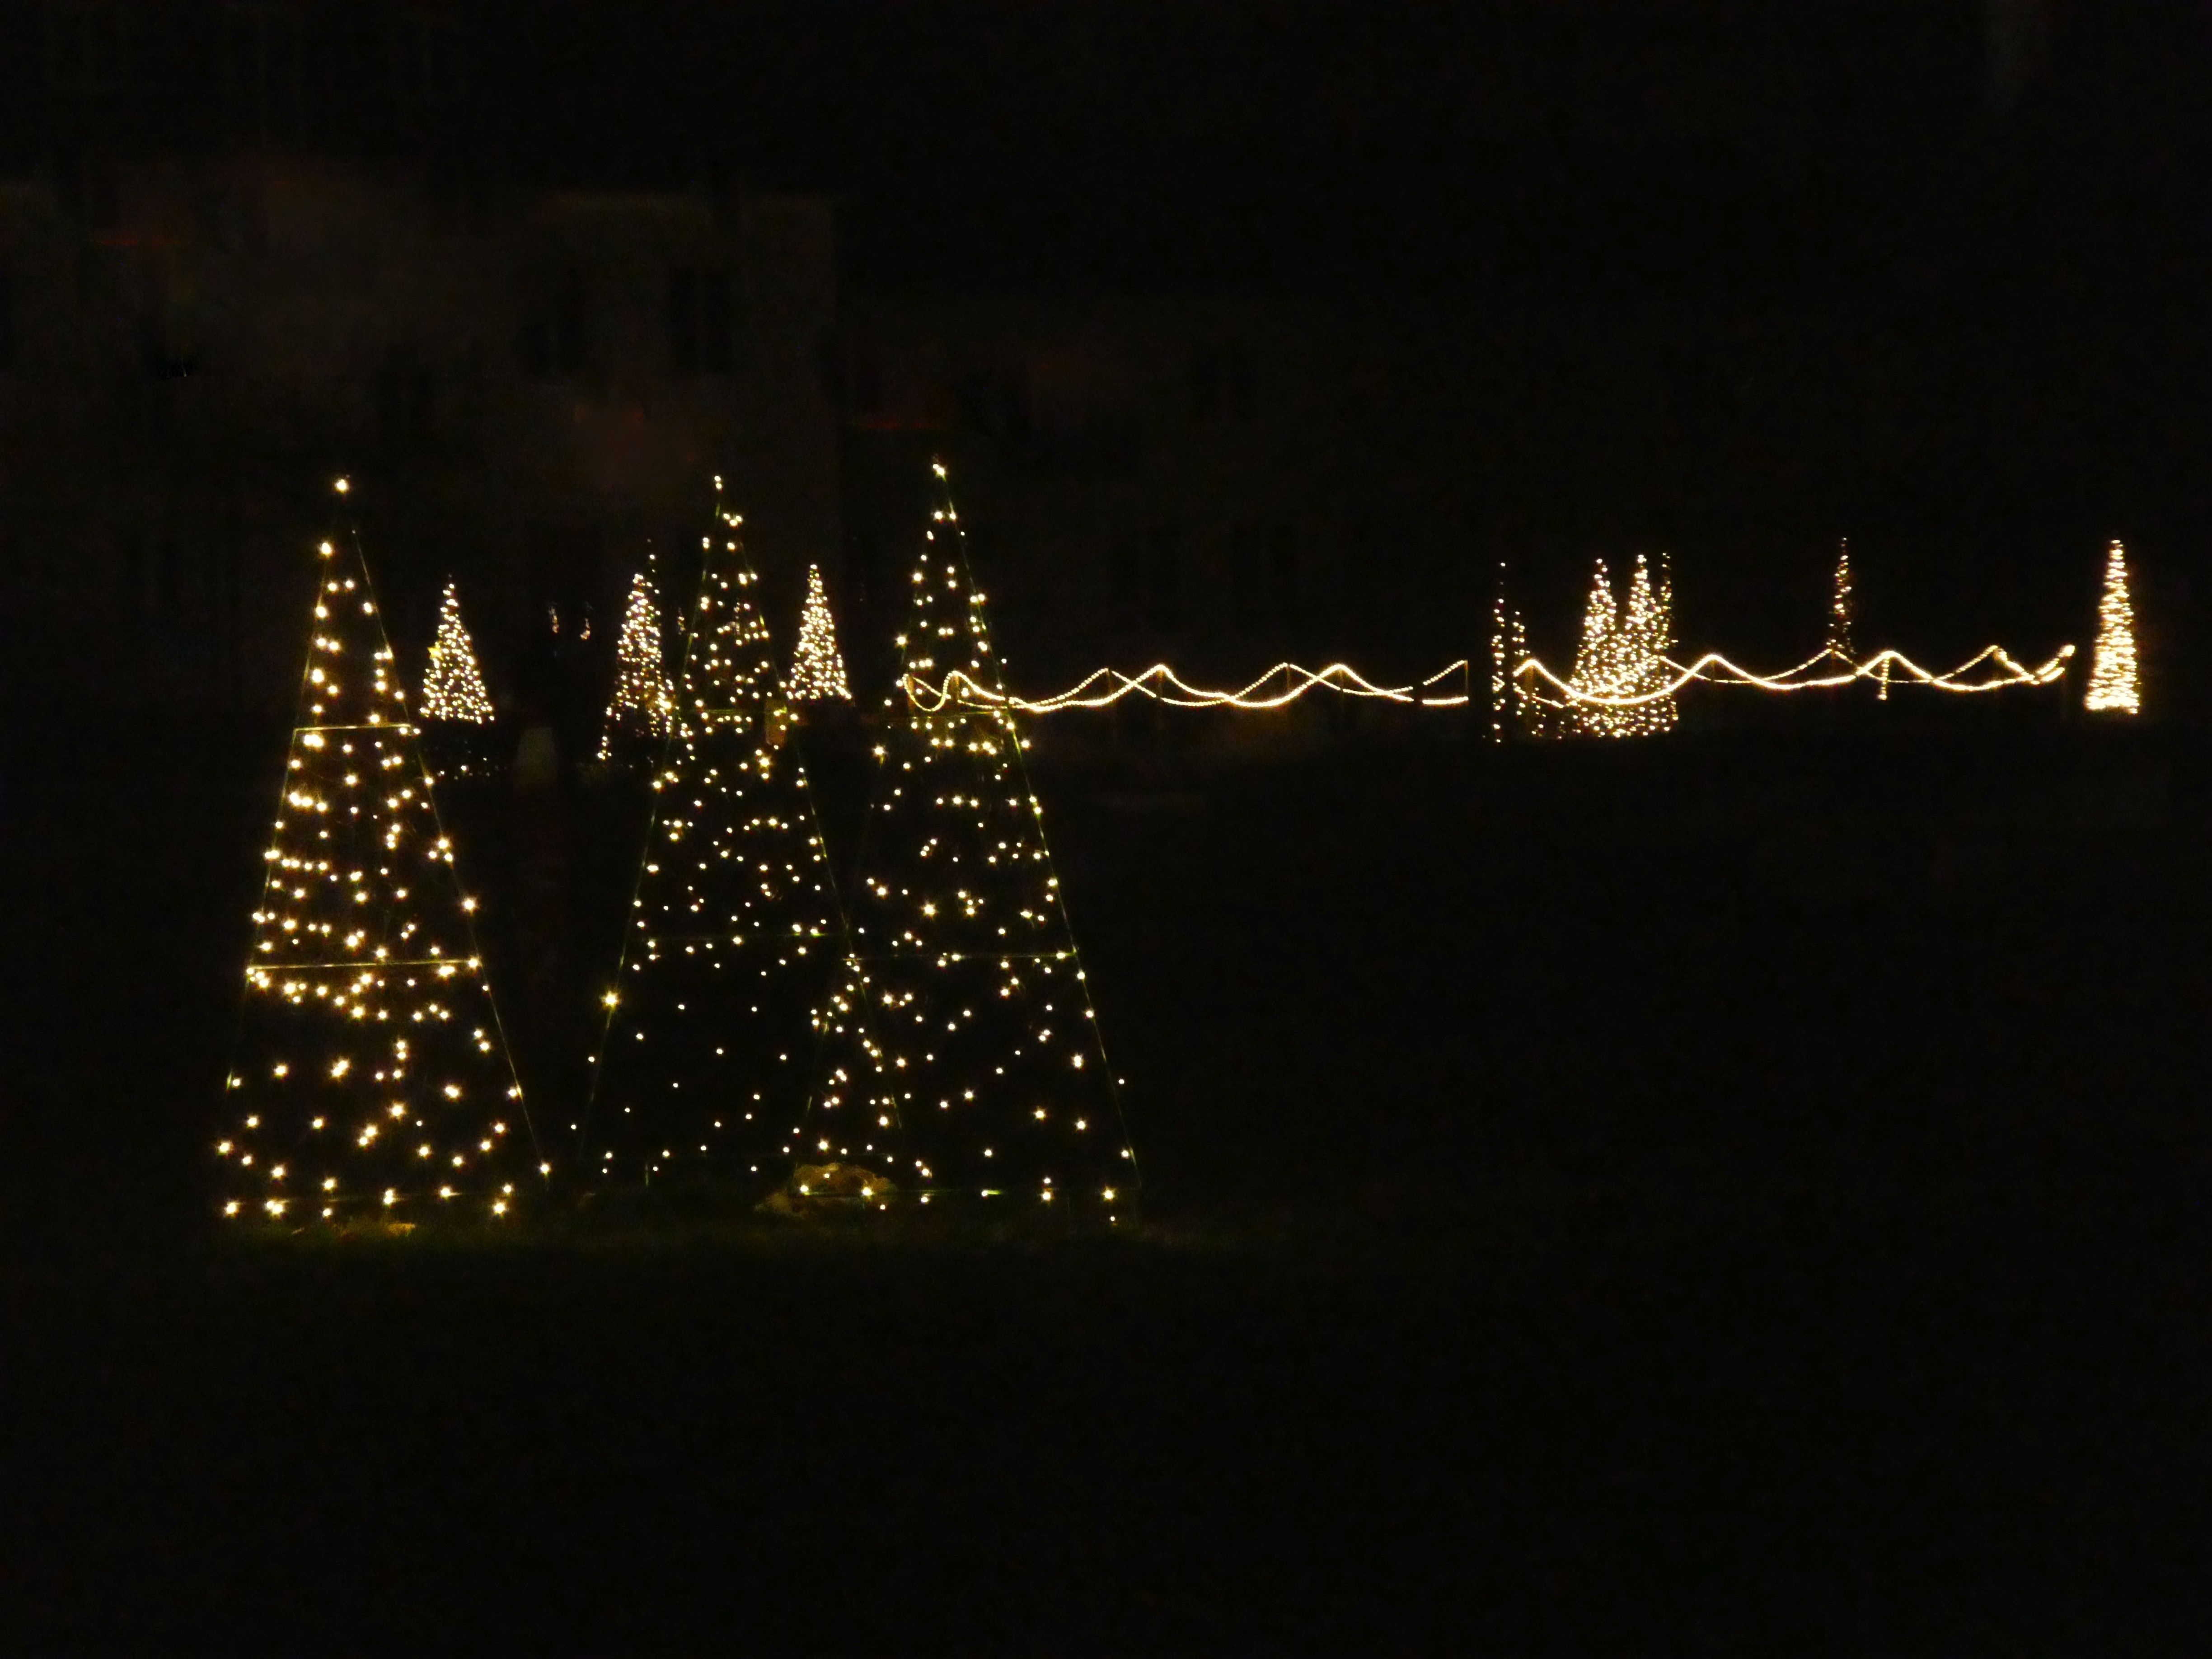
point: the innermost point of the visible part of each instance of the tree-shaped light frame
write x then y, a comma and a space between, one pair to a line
708, 1048
962, 1055
372, 1074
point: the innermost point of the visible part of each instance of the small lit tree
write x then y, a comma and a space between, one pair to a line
452, 687
2115, 687
1597, 666
817, 671
457, 710
371, 1074
1641, 643
644, 703
1841, 609
710, 1043
962, 1052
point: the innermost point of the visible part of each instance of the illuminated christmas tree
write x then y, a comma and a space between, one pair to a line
1597, 661
1641, 643
2114, 686
710, 1043
1515, 708
818, 672
644, 703
372, 1074
962, 1055
1840, 643
1624, 655
452, 688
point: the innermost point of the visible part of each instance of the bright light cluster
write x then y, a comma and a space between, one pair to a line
2114, 686
709, 1046
644, 703
1622, 672
371, 1072
452, 687
817, 671
962, 1053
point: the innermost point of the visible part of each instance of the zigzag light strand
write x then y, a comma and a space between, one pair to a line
1990, 669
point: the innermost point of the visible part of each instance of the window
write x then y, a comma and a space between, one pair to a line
702, 321
1164, 577
1283, 562
428, 60
260, 47
1220, 382
553, 341
406, 398
84, 47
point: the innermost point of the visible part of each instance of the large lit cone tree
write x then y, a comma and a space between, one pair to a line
710, 1042
372, 1076
962, 1055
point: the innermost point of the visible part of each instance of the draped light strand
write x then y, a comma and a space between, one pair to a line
1991, 669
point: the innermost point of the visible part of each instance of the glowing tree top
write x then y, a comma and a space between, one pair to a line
453, 689
962, 1053
710, 1042
371, 1074
2114, 685
817, 671
1839, 608
644, 703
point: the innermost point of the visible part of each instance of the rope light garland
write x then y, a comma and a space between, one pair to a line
817, 671
704, 1060
962, 1053
1284, 684
1998, 672
371, 1072
2114, 684
1991, 669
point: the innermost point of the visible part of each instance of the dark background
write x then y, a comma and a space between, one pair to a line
1741, 1191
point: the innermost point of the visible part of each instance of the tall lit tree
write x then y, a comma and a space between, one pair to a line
709, 1044
371, 1072
453, 686
2115, 686
1840, 609
961, 1052
1515, 708
817, 671
1641, 642
1597, 660
644, 703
